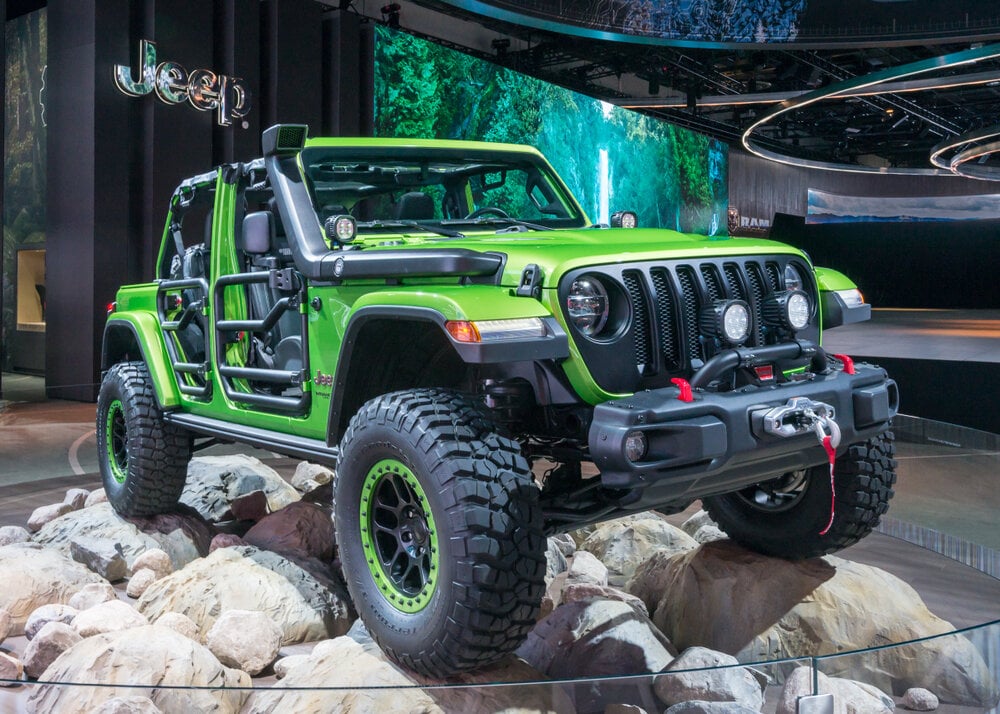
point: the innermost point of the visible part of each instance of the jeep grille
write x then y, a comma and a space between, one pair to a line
657, 337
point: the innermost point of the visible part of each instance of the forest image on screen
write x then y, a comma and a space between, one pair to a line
613, 159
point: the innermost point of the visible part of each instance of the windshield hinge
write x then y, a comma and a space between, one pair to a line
531, 282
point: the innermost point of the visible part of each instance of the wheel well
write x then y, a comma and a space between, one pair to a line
389, 355
120, 345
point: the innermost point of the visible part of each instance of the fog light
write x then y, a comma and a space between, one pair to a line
728, 320
789, 310
635, 446
342, 229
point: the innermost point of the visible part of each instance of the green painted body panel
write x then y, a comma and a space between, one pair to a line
146, 327
830, 279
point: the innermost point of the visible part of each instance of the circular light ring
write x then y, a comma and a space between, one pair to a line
588, 305
798, 310
788, 310
851, 88
976, 149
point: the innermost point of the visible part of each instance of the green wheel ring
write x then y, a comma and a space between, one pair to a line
390, 473
116, 441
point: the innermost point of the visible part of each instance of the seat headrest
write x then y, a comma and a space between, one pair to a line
415, 206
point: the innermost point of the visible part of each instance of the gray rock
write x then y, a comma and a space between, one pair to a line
46, 514
708, 676
11, 669
97, 496
367, 682
191, 679
307, 473
92, 594
214, 482
573, 592
623, 709
184, 538
848, 697
586, 568
709, 533
179, 623
225, 540
757, 608
111, 616
286, 664
33, 576
697, 521
555, 561
307, 606
50, 642
919, 699
564, 542
245, 639
141, 579
45, 614
595, 638
13, 534
156, 560
705, 707
126, 705
76, 498
625, 543
104, 557
6, 624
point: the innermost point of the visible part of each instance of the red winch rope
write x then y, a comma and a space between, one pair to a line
831, 454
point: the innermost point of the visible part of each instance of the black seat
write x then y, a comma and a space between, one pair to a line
415, 206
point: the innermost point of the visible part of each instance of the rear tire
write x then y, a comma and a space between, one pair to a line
143, 459
440, 531
784, 517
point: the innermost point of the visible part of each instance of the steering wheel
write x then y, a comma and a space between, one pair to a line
487, 210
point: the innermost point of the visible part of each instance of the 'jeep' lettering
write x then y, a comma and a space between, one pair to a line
205, 90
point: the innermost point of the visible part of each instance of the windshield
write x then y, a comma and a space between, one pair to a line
385, 188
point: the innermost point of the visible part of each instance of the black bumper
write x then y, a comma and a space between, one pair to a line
717, 443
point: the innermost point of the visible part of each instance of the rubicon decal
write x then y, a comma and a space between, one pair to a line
205, 90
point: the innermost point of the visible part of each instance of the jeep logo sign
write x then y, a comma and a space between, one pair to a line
205, 90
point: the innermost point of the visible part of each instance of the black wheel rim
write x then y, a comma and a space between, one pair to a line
777, 495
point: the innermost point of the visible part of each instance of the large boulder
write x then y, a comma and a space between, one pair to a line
142, 658
214, 482
758, 608
50, 642
182, 537
700, 674
111, 616
380, 686
625, 543
33, 576
299, 529
245, 639
305, 606
848, 697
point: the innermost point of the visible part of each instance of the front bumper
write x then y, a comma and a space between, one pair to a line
718, 443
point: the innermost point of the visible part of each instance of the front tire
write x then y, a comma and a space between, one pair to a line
440, 531
143, 459
784, 517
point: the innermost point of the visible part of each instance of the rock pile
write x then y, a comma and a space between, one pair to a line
200, 606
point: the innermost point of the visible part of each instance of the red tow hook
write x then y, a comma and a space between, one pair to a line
848, 363
682, 384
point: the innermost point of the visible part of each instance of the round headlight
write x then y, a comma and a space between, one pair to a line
728, 320
798, 310
587, 305
793, 278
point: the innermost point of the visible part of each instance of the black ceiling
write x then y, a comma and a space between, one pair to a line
722, 88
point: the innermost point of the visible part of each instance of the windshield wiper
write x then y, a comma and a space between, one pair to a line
447, 232
498, 221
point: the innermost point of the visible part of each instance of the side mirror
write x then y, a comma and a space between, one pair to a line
258, 229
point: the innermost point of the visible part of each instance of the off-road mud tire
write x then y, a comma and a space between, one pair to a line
865, 474
483, 549
143, 460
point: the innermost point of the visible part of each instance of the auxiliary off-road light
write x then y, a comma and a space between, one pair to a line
342, 229
588, 305
728, 320
624, 219
496, 330
635, 446
790, 310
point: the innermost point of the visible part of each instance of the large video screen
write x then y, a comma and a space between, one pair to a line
611, 158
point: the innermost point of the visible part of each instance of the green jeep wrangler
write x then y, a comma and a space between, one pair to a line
483, 366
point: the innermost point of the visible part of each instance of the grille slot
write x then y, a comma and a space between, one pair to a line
640, 320
666, 318
689, 301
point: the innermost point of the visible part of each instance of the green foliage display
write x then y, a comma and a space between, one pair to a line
24, 147
671, 177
